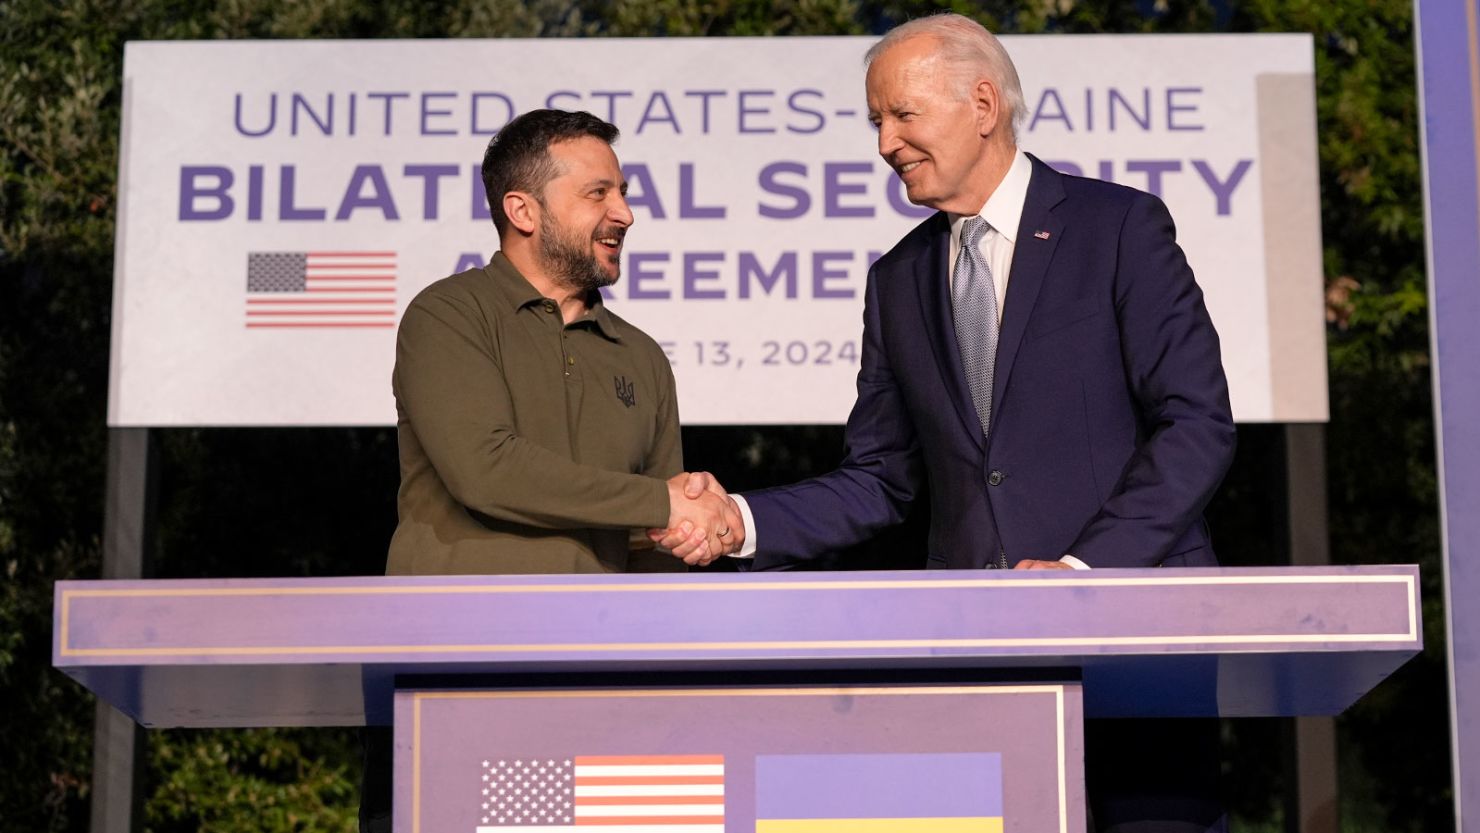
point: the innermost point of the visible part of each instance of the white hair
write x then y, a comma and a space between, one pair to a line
969, 51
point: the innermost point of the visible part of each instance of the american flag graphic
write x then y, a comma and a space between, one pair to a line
621, 794
321, 289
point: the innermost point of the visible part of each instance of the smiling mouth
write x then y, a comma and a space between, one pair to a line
610, 240
907, 167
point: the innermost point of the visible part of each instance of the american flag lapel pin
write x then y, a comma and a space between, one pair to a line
1041, 235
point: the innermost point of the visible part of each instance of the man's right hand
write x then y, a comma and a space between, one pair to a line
704, 522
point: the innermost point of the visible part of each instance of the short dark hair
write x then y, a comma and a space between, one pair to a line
518, 157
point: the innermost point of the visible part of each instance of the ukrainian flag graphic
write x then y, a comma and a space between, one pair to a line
905, 793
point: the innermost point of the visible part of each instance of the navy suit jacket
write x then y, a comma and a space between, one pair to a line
1110, 421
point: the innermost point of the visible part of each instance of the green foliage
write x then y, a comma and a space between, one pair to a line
692, 18
268, 780
1065, 16
47, 721
58, 132
60, 97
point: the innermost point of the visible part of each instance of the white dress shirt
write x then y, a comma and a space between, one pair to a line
1003, 213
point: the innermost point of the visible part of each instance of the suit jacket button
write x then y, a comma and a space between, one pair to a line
995, 478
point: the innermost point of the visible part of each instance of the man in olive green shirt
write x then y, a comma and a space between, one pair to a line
528, 445
536, 427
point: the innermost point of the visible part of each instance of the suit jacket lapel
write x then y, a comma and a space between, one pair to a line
932, 279
1030, 260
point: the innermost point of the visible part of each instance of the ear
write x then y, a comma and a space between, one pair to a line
522, 210
987, 104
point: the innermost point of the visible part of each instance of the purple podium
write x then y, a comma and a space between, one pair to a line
786, 703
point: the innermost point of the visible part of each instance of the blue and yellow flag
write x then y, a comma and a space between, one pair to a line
904, 793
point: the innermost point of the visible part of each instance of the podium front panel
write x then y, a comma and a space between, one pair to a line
783, 759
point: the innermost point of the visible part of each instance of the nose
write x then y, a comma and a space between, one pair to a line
889, 141
618, 211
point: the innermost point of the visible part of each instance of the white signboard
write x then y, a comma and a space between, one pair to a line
282, 202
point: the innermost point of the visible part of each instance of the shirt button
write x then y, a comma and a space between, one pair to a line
549, 306
995, 478
571, 360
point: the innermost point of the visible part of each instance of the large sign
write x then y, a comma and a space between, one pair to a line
282, 202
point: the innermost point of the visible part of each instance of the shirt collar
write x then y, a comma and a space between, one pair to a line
516, 291
1004, 209
605, 321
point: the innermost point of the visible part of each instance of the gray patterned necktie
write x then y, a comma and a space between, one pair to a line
974, 308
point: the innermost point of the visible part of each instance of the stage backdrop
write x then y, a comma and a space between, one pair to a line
282, 202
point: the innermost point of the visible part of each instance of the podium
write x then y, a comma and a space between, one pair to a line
775, 703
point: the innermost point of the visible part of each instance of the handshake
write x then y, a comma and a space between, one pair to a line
703, 522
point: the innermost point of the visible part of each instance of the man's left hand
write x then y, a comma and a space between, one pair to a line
1030, 564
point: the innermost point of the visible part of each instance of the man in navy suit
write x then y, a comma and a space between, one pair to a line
1058, 387
1109, 425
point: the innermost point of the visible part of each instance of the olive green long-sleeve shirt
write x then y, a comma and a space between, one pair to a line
527, 445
